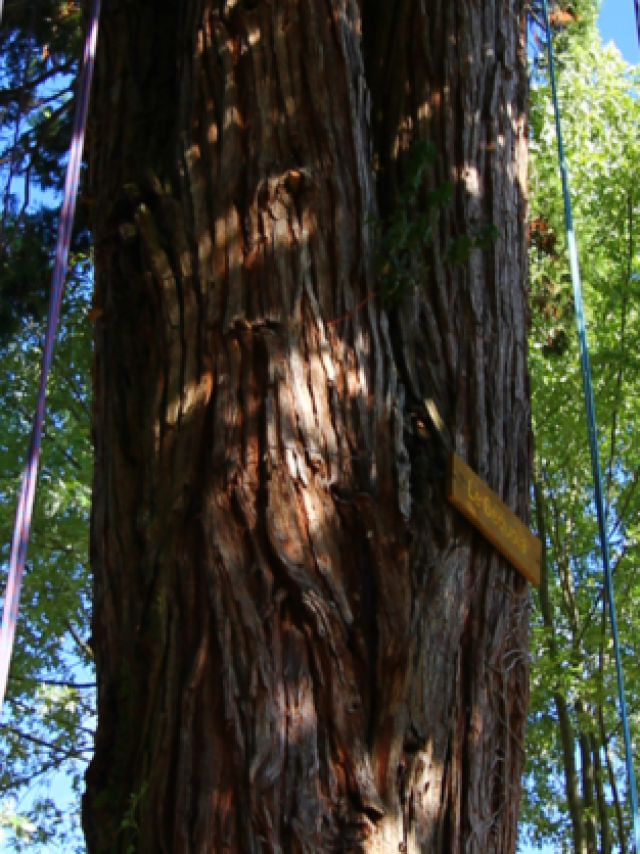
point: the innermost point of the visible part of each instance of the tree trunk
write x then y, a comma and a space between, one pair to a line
603, 808
299, 645
620, 827
586, 768
567, 733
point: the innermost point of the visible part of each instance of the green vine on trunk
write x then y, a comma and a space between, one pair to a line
400, 241
129, 823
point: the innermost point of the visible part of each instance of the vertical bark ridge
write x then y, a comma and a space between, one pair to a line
461, 343
298, 645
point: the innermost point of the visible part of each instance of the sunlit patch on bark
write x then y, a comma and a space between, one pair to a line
299, 646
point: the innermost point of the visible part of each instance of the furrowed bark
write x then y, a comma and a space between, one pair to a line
299, 645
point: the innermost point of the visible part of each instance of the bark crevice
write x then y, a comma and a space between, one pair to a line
299, 645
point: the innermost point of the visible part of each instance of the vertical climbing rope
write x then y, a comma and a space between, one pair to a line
29, 477
637, 5
592, 433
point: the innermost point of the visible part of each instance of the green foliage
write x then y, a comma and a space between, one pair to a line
571, 656
401, 240
26, 273
482, 238
39, 46
129, 824
47, 720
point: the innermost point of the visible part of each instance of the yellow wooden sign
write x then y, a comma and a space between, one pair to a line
493, 518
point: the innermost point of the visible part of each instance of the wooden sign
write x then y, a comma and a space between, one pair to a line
493, 518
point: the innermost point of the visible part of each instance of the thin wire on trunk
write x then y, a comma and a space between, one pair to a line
29, 477
593, 433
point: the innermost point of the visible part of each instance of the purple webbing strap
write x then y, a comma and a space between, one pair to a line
30, 474
637, 4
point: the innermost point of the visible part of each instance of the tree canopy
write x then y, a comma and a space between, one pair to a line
573, 705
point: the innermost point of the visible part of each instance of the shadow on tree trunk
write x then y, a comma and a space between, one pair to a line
299, 646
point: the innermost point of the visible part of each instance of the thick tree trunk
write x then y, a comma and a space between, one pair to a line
299, 645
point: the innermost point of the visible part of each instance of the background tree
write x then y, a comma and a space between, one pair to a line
574, 738
46, 715
46, 726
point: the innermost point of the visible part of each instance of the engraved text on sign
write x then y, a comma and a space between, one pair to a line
493, 518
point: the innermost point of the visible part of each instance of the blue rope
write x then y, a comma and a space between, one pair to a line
593, 435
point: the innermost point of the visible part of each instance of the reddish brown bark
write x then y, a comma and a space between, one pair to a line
299, 646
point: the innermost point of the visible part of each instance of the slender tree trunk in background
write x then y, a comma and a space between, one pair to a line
603, 812
602, 739
586, 764
598, 745
567, 732
621, 835
299, 645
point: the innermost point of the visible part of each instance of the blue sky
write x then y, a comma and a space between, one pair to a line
617, 22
